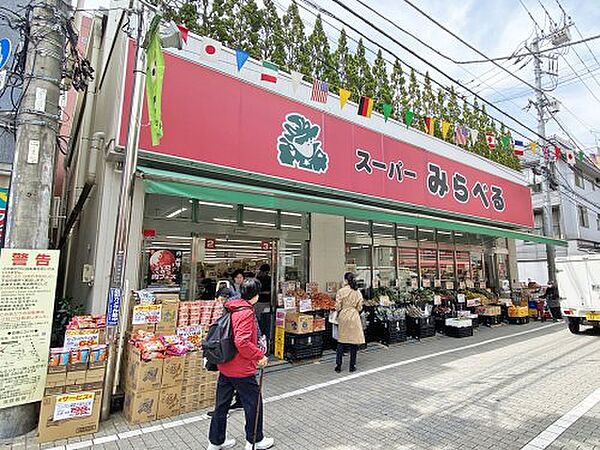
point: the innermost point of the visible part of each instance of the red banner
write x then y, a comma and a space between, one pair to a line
211, 117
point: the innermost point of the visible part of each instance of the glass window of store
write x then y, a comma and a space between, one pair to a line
384, 255
359, 251
408, 267
428, 257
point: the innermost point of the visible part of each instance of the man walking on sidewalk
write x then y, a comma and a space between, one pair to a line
239, 374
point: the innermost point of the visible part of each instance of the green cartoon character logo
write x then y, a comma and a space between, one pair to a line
298, 145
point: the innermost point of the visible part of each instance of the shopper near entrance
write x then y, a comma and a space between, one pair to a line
348, 306
238, 279
553, 300
239, 374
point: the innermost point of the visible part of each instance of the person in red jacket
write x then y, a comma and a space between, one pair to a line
239, 374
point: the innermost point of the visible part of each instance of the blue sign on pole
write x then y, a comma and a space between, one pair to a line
115, 296
5, 47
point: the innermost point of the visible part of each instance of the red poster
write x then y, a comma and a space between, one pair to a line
215, 118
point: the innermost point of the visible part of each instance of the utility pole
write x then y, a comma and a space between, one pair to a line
119, 258
547, 208
37, 123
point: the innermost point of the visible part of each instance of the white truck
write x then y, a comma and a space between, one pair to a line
578, 280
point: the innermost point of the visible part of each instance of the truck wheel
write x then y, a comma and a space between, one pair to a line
574, 326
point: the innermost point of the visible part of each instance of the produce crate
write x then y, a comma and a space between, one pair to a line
459, 332
420, 327
303, 346
490, 320
440, 323
394, 332
328, 342
518, 320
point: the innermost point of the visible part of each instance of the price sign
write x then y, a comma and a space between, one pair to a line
146, 314
426, 282
72, 406
437, 299
460, 298
437, 283
81, 338
289, 303
306, 305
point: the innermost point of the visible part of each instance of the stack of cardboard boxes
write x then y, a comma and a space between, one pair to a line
199, 385
72, 398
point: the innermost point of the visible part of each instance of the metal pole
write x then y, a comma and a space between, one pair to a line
119, 258
547, 208
28, 215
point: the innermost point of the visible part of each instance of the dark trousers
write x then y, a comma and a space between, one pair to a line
555, 311
340, 354
249, 393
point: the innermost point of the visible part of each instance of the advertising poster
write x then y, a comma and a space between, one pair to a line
73, 406
164, 268
146, 314
27, 286
81, 338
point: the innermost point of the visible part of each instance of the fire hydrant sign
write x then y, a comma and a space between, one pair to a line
27, 287
73, 406
143, 314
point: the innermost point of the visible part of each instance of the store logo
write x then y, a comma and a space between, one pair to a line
298, 145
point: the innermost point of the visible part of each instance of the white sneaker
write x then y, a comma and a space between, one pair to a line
262, 445
229, 443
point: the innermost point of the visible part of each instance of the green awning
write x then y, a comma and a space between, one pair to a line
163, 182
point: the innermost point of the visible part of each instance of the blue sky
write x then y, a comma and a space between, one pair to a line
497, 28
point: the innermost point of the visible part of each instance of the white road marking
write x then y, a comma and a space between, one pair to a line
551, 434
314, 387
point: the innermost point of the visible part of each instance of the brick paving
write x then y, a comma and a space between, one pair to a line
499, 395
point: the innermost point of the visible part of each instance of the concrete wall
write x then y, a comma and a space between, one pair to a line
327, 248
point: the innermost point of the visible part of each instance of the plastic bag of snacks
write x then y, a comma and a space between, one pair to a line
175, 346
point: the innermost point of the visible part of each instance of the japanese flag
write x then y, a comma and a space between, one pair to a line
571, 157
211, 49
491, 140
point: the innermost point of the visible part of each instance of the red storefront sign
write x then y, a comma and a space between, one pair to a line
215, 118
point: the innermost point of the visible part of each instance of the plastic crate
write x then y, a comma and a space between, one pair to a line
420, 327
303, 346
490, 320
518, 320
459, 332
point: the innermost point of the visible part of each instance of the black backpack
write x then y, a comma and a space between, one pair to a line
219, 346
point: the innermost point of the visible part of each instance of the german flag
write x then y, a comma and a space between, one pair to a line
365, 106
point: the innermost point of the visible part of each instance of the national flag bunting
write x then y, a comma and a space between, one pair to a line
581, 155
387, 111
445, 128
320, 91
211, 49
296, 80
269, 72
241, 57
505, 142
518, 148
365, 106
491, 140
344, 96
408, 118
571, 157
461, 135
474, 135
533, 146
557, 152
184, 32
155, 69
429, 125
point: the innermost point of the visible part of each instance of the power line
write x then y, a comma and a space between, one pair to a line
413, 53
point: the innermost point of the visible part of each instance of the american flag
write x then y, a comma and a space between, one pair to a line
462, 133
320, 91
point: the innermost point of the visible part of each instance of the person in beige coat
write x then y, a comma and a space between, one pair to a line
348, 304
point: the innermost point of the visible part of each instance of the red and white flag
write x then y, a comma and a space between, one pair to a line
491, 140
570, 155
211, 49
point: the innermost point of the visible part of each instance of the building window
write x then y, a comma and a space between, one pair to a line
579, 180
583, 216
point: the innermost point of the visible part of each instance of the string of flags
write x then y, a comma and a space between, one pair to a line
463, 135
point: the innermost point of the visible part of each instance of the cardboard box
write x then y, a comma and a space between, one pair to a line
173, 371
142, 376
297, 323
76, 377
57, 369
169, 402
94, 375
56, 379
168, 318
319, 324
140, 407
56, 390
50, 430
